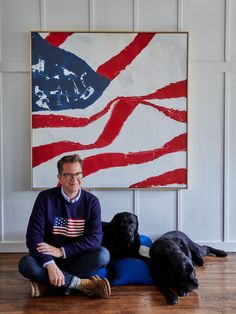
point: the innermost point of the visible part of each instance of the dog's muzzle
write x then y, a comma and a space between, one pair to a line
128, 238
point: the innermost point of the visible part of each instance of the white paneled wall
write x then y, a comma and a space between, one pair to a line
206, 210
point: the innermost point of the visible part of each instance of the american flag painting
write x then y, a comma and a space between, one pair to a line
68, 227
117, 99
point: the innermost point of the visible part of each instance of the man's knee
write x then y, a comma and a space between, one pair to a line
104, 256
23, 264
29, 267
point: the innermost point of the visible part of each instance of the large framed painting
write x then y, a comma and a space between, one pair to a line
119, 100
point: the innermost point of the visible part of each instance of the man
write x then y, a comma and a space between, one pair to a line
64, 237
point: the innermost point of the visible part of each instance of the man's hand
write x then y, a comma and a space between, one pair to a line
47, 249
55, 275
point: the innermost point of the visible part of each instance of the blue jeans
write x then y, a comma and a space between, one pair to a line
83, 266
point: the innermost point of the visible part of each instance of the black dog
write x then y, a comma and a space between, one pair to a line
172, 259
121, 237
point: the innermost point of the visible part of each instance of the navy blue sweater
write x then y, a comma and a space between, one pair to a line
74, 226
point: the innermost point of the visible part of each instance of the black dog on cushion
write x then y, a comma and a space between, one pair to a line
121, 237
172, 259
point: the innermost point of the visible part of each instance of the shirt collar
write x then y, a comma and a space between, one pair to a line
68, 199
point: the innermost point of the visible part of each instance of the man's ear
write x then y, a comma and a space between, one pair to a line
59, 180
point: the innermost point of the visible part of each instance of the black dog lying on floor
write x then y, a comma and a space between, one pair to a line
121, 237
172, 259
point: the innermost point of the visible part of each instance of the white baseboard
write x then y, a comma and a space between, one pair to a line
226, 246
12, 247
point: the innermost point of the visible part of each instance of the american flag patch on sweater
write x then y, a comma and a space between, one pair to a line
68, 227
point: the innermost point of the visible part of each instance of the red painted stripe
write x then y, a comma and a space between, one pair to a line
92, 164
173, 90
58, 38
119, 115
98, 162
58, 121
177, 176
177, 115
112, 128
111, 68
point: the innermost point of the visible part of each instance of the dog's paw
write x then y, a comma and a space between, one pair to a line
199, 261
144, 251
221, 253
172, 300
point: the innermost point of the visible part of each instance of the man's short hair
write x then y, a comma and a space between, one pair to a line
68, 159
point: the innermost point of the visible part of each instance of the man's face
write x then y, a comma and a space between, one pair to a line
71, 178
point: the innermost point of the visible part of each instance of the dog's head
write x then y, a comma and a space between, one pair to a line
125, 226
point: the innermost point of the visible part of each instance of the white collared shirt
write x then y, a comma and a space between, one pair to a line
68, 199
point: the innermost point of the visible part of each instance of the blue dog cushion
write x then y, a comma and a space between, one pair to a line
130, 270
146, 241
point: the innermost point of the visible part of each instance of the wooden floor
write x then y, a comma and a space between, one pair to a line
216, 294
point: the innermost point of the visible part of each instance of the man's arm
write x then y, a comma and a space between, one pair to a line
36, 229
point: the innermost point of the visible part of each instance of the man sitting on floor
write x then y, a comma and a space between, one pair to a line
64, 237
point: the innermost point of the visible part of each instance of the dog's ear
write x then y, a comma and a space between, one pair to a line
189, 268
185, 249
114, 219
114, 223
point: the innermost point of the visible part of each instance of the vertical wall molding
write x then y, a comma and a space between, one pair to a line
91, 15
179, 15
179, 220
226, 160
42, 12
1, 31
227, 31
136, 202
135, 16
226, 126
178, 192
1, 135
1, 167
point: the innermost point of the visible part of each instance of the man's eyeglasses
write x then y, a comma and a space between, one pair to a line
70, 176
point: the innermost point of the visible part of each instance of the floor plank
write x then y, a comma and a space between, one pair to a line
216, 294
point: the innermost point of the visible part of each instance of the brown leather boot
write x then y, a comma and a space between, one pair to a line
95, 277
36, 289
95, 286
